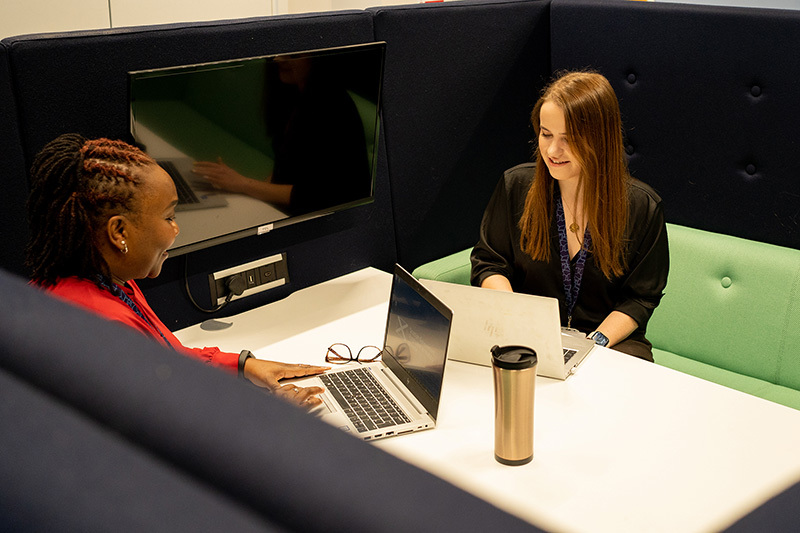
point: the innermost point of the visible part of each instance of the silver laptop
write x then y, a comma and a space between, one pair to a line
193, 191
485, 317
410, 371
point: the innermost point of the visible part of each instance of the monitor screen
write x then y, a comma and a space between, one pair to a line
256, 143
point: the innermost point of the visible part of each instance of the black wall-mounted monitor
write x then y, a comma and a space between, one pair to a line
262, 142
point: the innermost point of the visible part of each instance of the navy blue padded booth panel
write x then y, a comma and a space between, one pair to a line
13, 229
62, 471
461, 79
274, 461
781, 513
78, 82
709, 103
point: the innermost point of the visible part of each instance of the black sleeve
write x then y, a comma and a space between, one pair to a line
648, 259
498, 241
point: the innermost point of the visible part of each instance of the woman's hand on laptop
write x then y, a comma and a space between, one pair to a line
267, 374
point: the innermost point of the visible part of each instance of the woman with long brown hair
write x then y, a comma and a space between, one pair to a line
574, 225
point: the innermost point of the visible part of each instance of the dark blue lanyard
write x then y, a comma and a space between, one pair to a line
114, 289
572, 286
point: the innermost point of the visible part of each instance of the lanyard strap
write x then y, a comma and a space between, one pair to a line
572, 285
115, 289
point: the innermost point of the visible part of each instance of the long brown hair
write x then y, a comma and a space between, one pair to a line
594, 132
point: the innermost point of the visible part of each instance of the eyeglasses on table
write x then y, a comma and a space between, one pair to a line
339, 354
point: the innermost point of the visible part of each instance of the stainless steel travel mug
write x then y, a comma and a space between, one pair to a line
514, 370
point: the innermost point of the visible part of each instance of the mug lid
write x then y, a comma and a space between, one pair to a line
513, 357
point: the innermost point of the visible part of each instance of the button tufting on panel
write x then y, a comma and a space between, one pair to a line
726, 282
631, 78
750, 169
629, 149
755, 90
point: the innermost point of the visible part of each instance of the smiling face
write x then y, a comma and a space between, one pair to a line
554, 145
152, 228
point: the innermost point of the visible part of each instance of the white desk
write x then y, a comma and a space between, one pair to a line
623, 445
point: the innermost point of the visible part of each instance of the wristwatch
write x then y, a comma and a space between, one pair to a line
598, 338
244, 355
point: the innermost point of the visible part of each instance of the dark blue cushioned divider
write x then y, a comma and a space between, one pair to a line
781, 513
78, 82
272, 458
461, 79
709, 103
62, 471
13, 184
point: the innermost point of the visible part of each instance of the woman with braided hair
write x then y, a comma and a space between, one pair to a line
102, 214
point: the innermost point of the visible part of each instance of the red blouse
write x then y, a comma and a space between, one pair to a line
87, 294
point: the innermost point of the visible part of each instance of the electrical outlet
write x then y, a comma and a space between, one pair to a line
259, 276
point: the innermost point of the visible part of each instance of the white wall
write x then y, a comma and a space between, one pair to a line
33, 16
142, 12
774, 4
18, 17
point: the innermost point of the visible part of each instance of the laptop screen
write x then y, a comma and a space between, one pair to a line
417, 335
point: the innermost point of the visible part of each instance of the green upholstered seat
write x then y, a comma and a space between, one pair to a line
730, 313
454, 268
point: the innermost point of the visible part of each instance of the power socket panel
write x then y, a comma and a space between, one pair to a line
259, 276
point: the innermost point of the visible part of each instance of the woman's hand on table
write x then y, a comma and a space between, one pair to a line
267, 374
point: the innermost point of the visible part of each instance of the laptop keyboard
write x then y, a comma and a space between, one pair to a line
185, 193
365, 402
568, 353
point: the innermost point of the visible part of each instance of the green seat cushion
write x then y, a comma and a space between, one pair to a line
454, 268
730, 314
750, 385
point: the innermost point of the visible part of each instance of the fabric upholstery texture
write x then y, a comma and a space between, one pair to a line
453, 268
709, 126
78, 82
729, 314
710, 113
64, 471
13, 177
731, 303
459, 85
204, 433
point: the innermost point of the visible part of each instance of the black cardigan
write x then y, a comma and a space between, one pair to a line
636, 293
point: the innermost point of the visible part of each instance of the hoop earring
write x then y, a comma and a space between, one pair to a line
125, 249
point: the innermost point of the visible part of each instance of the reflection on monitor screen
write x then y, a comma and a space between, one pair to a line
257, 143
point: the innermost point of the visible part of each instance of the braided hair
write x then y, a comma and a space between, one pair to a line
76, 185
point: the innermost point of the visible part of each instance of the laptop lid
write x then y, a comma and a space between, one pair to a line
485, 317
417, 337
411, 370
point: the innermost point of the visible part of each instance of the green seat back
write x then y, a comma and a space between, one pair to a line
733, 304
453, 268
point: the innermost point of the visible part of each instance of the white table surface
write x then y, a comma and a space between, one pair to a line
623, 445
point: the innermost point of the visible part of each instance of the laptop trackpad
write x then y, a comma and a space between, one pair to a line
321, 409
313, 381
